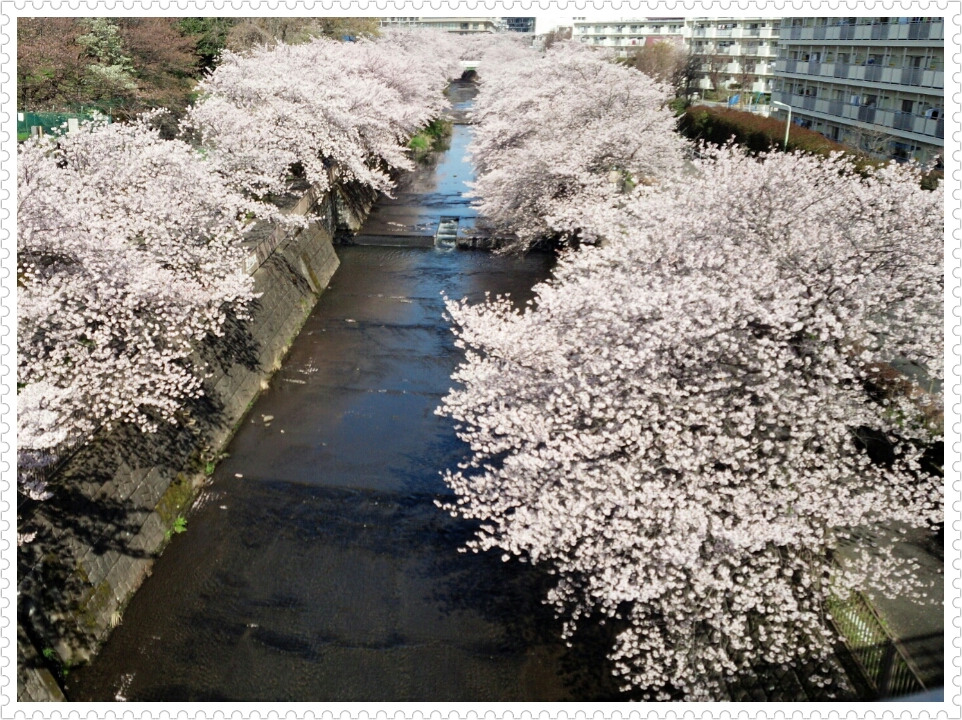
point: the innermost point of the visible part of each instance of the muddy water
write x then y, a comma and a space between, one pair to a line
316, 565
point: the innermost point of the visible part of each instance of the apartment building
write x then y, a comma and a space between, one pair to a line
625, 34
876, 83
519, 24
459, 25
736, 53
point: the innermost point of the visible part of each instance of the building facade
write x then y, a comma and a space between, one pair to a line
876, 83
459, 25
736, 53
519, 24
625, 34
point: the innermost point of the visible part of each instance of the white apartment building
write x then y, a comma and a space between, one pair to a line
625, 34
876, 83
459, 25
737, 53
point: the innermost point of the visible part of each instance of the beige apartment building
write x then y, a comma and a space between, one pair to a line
876, 83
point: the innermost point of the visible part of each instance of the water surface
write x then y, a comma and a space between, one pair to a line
316, 565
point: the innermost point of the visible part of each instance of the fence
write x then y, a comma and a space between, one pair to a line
53, 122
880, 659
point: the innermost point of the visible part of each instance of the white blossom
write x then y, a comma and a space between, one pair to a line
672, 425
560, 136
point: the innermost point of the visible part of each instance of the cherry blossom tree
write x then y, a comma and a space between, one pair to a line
343, 110
128, 254
677, 426
129, 246
562, 135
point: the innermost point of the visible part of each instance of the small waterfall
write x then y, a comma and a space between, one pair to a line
447, 234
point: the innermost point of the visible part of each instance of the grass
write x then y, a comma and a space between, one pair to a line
420, 143
179, 526
430, 137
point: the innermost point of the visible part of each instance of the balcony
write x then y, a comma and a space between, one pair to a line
874, 31
891, 119
911, 77
739, 32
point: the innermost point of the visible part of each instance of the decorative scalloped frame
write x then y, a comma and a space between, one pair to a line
10, 10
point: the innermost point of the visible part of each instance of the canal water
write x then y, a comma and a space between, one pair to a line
316, 566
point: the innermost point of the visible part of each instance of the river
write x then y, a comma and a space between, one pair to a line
316, 566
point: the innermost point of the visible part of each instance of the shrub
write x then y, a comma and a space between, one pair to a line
760, 134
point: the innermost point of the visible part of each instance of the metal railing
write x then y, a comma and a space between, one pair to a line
880, 659
928, 30
931, 124
927, 77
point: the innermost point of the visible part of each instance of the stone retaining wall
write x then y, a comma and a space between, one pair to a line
116, 501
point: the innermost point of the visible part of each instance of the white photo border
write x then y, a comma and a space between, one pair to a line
950, 707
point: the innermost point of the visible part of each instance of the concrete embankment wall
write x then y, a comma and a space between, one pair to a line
117, 499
